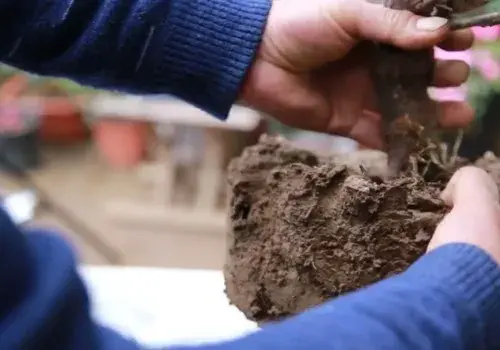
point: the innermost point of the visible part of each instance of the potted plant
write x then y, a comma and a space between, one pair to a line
122, 143
61, 115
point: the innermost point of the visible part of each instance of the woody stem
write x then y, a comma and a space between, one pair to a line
482, 20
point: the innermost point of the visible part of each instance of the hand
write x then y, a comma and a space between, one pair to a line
475, 214
311, 70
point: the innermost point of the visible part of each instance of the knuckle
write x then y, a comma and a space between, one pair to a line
397, 23
340, 125
346, 13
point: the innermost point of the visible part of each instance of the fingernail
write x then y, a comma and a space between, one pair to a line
430, 24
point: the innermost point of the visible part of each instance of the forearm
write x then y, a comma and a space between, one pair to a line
447, 300
194, 49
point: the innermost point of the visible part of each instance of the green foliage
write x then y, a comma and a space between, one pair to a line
39, 82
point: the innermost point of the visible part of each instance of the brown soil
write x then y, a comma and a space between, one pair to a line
305, 229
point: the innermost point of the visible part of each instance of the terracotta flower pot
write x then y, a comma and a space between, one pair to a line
121, 143
13, 88
61, 120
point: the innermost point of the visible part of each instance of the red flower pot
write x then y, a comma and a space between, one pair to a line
122, 144
61, 121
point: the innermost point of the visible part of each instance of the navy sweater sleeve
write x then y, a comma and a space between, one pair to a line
449, 299
197, 50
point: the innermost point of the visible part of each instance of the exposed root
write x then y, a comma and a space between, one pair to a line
456, 146
435, 157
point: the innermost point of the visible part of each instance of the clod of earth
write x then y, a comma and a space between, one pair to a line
306, 228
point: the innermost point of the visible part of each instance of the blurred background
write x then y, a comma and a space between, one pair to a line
141, 180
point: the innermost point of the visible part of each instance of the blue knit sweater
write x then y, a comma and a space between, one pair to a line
199, 51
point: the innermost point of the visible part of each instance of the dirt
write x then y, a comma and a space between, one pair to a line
306, 228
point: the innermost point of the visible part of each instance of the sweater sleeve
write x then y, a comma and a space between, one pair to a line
449, 299
43, 301
196, 50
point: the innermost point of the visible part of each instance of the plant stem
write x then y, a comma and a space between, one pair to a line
481, 20
456, 147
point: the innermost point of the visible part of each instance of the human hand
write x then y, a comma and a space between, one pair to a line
311, 70
475, 214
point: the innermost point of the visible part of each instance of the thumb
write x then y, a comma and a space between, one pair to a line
371, 21
474, 218
470, 187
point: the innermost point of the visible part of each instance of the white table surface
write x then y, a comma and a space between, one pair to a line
160, 307
168, 110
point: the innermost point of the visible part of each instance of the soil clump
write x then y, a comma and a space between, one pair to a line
306, 228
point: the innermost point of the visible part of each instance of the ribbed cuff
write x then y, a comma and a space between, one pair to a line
471, 274
203, 50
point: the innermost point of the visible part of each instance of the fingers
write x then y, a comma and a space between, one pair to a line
371, 21
367, 129
449, 73
475, 215
367, 132
455, 114
459, 40
470, 186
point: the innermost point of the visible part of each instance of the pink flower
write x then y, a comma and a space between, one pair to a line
486, 64
486, 33
454, 93
449, 94
458, 55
